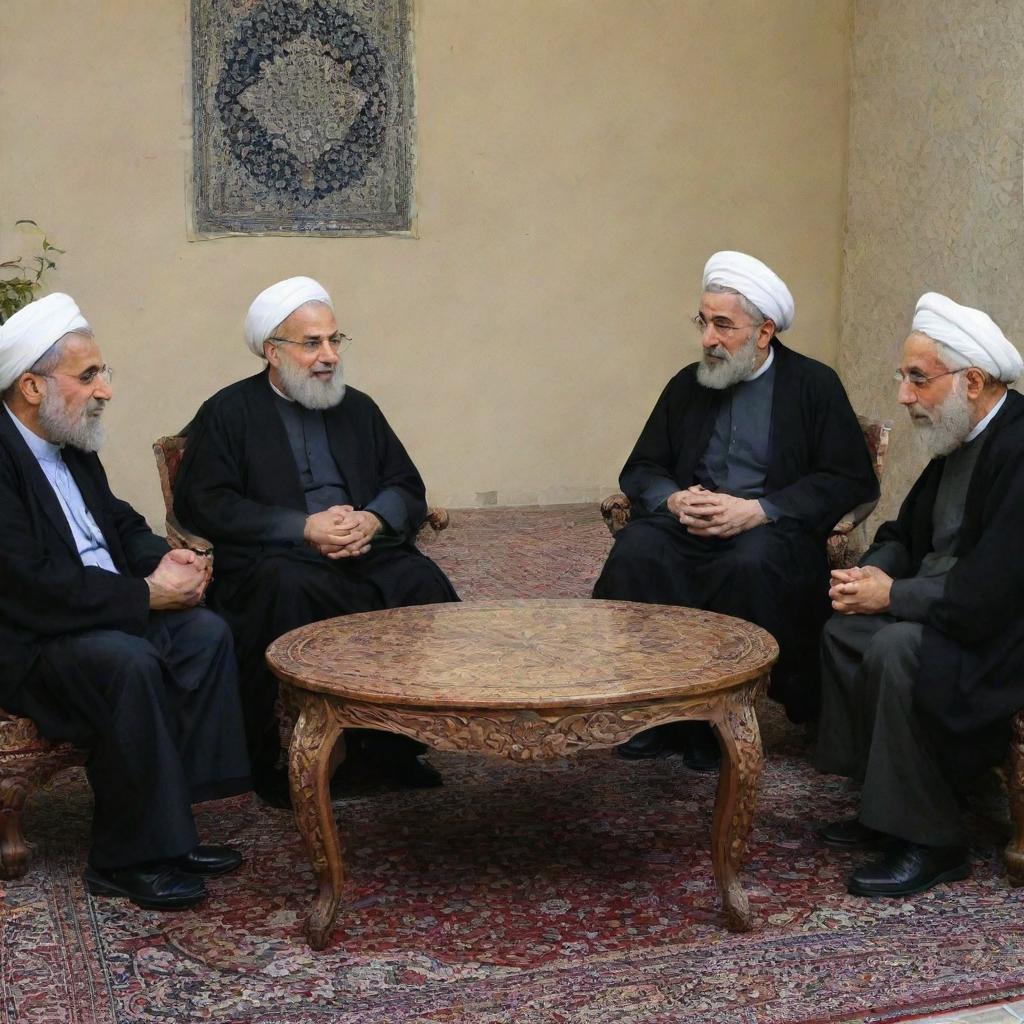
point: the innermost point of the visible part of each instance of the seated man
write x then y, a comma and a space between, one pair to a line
100, 640
314, 506
921, 668
748, 460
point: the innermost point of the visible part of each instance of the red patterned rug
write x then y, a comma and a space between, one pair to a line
578, 892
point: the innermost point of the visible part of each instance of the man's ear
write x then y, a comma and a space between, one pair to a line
272, 355
765, 333
29, 389
976, 381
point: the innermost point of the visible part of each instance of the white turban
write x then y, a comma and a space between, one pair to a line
970, 333
32, 330
275, 304
754, 281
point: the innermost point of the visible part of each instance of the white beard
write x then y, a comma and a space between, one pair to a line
735, 366
947, 426
307, 390
87, 432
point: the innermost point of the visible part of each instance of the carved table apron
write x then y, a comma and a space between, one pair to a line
526, 680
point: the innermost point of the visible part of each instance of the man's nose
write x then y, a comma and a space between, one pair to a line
907, 394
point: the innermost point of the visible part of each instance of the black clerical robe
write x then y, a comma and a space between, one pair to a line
775, 575
239, 486
154, 695
970, 683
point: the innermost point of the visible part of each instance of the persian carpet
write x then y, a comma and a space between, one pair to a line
574, 892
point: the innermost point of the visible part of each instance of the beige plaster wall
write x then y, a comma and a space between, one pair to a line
578, 161
935, 188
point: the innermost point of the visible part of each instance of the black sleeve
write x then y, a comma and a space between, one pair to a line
647, 477
401, 498
209, 494
50, 593
984, 591
840, 475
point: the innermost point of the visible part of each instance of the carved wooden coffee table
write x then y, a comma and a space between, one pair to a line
526, 680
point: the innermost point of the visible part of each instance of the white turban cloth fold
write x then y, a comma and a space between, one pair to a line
32, 330
970, 333
275, 304
755, 281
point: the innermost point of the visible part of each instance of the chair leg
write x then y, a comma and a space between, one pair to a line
1014, 852
14, 853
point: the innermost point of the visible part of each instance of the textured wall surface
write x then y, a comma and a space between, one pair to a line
577, 161
935, 188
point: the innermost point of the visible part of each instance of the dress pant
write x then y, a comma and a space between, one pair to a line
161, 716
871, 732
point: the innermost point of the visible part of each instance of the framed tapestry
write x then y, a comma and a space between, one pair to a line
302, 117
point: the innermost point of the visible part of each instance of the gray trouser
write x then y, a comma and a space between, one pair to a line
871, 732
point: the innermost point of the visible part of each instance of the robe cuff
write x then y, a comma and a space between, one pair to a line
912, 599
390, 509
653, 499
890, 556
772, 512
293, 526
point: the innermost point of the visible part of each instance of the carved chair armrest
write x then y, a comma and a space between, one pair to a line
179, 537
438, 519
844, 526
615, 510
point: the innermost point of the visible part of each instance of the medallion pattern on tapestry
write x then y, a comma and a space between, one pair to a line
302, 116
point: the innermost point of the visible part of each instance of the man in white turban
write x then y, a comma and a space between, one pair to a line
101, 642
313, 505
921, 665
748, 460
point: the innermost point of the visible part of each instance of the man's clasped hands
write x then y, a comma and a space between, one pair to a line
341, 531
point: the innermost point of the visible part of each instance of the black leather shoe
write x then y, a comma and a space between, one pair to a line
159, 886
644, 745
697, 743
910, 868
209, 860
850, 834
411, 773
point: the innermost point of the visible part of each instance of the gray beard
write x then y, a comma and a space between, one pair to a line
308, 391
734, 367
87, 432
948, 426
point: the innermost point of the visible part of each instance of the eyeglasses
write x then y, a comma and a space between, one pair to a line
88, 377
918, 380
717, 325
338, 342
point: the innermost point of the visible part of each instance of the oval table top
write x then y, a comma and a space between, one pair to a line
525, 654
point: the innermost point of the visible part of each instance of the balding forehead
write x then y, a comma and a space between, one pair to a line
919, 348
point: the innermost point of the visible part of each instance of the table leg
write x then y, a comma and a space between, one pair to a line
742, 758
309, 760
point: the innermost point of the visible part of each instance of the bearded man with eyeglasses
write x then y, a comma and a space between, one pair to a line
101, 642
748, 460
313, 505
921, 663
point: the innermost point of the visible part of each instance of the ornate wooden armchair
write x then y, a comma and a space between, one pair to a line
27, 762
616, 507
